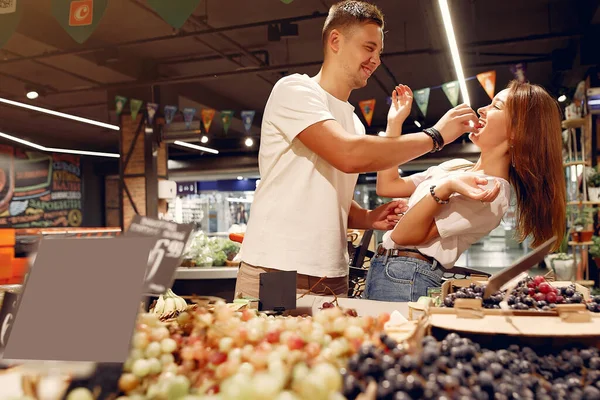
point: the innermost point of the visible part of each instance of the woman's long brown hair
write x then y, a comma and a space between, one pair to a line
536, 172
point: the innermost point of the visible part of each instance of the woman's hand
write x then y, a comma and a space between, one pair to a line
468, 185
402, 98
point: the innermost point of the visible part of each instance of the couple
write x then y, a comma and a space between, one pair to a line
313, 146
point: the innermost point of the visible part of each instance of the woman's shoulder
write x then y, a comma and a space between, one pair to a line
456, 163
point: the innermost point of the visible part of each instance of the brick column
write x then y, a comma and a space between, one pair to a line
143, 163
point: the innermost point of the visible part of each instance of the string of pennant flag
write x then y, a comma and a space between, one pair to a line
451, 90
207, 115
79, 18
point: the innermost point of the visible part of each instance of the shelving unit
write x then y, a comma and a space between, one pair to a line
579, 156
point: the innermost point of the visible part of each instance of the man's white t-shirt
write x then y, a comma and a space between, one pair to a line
461, 222
299, 216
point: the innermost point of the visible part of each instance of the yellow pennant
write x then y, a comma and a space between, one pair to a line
367, 107
488, 82
207, 116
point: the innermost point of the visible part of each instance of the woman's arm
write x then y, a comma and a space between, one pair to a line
418, 224
389, 184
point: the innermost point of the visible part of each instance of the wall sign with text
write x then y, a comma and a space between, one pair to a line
39, 190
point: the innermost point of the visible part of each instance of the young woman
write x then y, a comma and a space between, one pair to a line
456, 203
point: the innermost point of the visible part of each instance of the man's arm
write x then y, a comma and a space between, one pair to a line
358, 217
352, 153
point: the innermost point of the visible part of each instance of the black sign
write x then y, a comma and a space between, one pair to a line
277, 291
7, 317
166, 256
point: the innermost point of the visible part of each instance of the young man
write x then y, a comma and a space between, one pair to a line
312, 148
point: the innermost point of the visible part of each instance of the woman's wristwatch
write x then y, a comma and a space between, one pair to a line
437, 199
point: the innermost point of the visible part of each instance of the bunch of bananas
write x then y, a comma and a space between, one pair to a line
169, 305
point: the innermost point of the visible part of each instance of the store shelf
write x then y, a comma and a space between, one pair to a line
206, 273
573, 163
581, 243
573, 123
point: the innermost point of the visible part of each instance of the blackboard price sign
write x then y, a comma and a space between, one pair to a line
167, 253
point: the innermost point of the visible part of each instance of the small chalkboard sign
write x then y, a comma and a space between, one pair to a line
277, 291
165, 257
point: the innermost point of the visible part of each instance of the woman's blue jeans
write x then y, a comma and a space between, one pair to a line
401, 279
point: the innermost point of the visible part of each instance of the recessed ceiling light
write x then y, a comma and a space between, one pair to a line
418, 124
204, 139
32, 95
249, 142
562, 98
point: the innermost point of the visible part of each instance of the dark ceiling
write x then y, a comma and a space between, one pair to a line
222, 59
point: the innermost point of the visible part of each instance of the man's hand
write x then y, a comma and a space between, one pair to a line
456, 122
386, 216
402, 98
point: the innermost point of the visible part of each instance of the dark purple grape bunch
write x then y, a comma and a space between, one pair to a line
594, 304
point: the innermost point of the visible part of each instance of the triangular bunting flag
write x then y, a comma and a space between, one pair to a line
248, 118
10, 15
367, 107
226, 116
188, 116
207, 116
519, 71
79, 18
170, 113
151, 109
451, 89
175, 13
422, 99
488, 81
135, 105
120, 102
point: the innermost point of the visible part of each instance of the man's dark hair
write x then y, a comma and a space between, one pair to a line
351, 12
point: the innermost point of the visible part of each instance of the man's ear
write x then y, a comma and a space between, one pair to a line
334, 40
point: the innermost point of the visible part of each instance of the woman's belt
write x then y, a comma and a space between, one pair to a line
382, 251
413, 253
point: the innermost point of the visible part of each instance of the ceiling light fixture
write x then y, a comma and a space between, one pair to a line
454, 50
562, 98
249, 142
59, 114
57, 150
418, 124
32, 95
195, 147
204, 139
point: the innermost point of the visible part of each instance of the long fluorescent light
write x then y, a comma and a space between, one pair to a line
454, 50
57, 150
195, 147
59, 114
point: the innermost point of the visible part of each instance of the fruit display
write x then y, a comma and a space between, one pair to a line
226, 353
457, 368
594, 304
532, 293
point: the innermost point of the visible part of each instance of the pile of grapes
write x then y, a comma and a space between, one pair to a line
228, 354
530, 294
457, 368
594, 304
